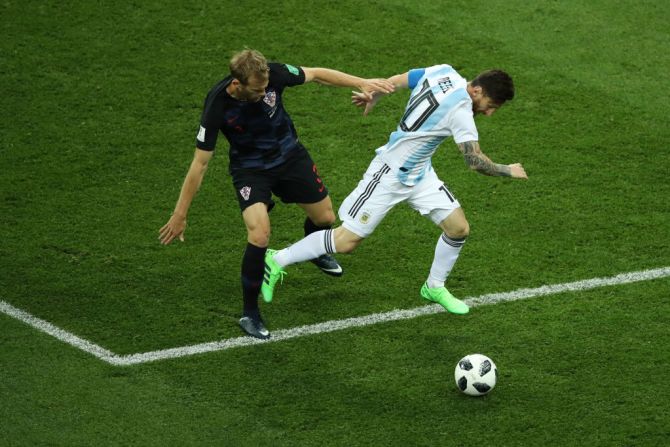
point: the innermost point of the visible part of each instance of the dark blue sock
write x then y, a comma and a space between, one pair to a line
253, 265
310, 227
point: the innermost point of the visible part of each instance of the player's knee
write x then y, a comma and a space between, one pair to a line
459, 231
259, 236
324, 219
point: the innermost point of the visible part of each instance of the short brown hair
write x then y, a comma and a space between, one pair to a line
496, 84
248, 63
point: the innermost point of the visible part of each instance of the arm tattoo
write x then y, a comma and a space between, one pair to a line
479, 162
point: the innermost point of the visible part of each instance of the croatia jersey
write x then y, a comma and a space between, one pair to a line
261, 134
439, 107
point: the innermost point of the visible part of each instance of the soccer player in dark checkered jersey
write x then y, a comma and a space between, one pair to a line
266, 157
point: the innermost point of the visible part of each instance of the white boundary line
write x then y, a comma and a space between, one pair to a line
320, 328
57, 332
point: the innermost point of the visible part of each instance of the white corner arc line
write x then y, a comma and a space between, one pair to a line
56, 332
328, 326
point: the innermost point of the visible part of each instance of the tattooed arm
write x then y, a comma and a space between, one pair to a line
478, 161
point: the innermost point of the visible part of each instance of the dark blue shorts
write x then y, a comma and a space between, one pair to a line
296, 181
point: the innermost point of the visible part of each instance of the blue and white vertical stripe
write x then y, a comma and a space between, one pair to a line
436, 92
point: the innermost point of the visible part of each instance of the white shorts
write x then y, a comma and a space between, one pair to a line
380, 190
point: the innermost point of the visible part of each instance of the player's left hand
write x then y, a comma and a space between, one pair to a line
365, 99
517, 171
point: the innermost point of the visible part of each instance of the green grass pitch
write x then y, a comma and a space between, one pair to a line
100, 107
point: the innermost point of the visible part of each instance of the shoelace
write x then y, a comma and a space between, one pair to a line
282, 273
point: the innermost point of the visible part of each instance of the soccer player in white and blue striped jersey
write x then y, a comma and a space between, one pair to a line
442, 105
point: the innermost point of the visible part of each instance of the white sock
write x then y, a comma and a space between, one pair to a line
310, 247
446, 254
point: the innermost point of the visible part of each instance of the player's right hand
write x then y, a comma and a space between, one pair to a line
377, 85
517, 171
174, 228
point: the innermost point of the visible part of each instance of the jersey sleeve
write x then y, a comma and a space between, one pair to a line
285, 75
414, 75
210, 123
462, 123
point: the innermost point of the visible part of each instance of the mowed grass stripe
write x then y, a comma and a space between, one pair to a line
325, 327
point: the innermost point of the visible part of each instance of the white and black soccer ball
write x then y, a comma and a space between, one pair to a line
476, 375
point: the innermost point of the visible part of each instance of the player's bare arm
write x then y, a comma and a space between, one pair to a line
327, 76
478, 161
176, 226
370, 99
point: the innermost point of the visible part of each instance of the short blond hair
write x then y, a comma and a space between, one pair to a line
248, 63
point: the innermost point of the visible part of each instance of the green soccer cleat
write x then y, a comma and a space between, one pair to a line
272, 273
441, 296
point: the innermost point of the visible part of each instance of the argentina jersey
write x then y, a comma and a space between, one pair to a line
439, 107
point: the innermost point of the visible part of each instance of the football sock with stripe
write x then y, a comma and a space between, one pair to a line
311, 246
446, 254
310, 227
253, 265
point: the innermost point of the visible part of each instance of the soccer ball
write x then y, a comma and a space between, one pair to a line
476, 375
